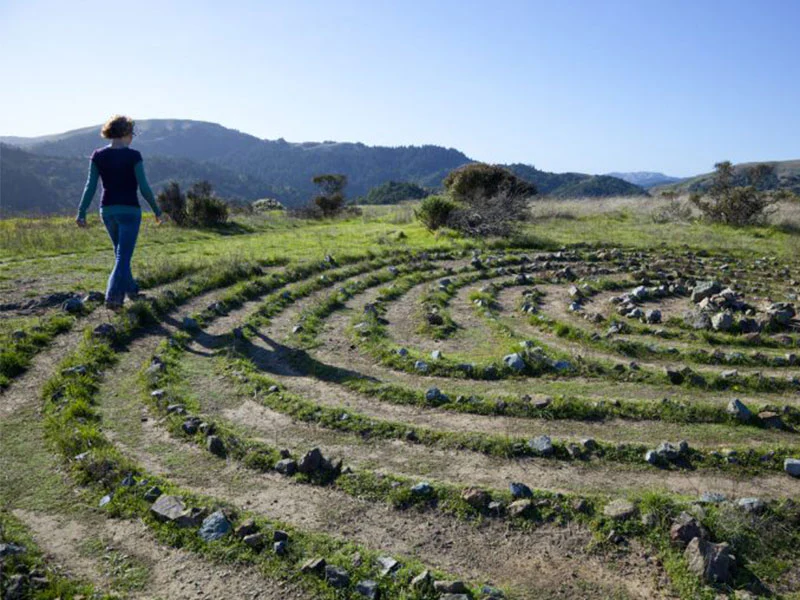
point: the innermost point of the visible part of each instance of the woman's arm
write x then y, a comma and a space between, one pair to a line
144, 187
88, 191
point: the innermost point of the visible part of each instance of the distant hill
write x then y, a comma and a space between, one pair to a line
575, 185
35, 184
645, 179
46, 174
787, 176
394, 192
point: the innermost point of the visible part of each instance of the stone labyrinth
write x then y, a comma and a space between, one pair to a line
582, 423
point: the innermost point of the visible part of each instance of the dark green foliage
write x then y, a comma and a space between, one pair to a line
394, 192
734, 202
173, 202
491, 199
203, 207
575, 185
434, 212
331, 200
475, 183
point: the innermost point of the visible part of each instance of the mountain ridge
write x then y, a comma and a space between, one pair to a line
243, 166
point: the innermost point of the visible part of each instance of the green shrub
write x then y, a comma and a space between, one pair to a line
203, 207
435, 211
731, 204
266, 204
173, 203
331, 200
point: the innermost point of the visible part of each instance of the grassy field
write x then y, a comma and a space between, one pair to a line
271, 336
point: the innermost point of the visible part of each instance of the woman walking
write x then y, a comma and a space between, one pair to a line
121, 170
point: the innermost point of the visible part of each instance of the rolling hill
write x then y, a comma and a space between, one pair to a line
645, 179
45, 174
787, 176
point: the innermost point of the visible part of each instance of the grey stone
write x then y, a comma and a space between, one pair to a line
388, 565
280, 548
311, 461
652, 316
713, 497
476, 498
514, 362
422, 489
280, 536
286, 466
667, 451
214, 526
792, 466
336, 577
704, 289
675, 377
422, 582
685, 528
256, 541
712, 562
450, 587
436, 355
651, 457
72, 306
739, 410
10, 549
168, 508
368, 588
542, 445
520, 490
520, 508
752, 505
190, 324
619, 509
421, 366
249, 527
722, 321
216, 446
314, 565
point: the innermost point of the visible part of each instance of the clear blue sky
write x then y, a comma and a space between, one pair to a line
588, 85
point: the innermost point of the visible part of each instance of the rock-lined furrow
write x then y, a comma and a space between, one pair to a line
272, 358
512, 557
519, 323
471, 468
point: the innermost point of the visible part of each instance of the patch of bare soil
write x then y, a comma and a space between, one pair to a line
170, 573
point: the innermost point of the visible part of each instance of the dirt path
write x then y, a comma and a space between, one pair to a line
529, 561
85, 547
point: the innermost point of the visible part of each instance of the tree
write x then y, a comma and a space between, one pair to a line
476, 182
173, 202
738, 205
331, 200
491, 200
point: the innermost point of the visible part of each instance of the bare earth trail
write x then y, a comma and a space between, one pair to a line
62, 527
508, 557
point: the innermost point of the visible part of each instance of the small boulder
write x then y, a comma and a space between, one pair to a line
739, 410
514, 362
476, 498
450, 587
215, 526
520, 490
792, 466
216, 446
520, 508
286, 466
619, 509
542, 445
336, 577
722, 321
714, 563
314, 565
368, 589
685, 528
311, 461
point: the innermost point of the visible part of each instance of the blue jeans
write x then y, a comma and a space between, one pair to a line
123, 230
